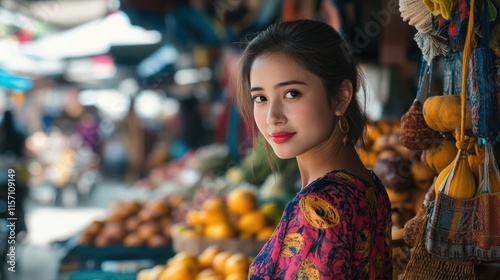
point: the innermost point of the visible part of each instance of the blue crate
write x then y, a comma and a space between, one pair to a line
101, 275
91, 258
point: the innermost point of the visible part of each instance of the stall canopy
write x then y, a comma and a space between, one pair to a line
90, 39
13, 60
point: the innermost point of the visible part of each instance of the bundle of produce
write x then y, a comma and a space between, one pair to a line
132, 223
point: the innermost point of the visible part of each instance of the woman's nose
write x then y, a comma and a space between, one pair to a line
275, 114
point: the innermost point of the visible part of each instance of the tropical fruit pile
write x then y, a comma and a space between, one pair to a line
132, 223
236, 216
212, 264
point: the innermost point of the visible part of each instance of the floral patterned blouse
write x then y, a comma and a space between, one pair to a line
337, 227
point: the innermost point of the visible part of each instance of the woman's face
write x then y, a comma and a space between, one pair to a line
291, 107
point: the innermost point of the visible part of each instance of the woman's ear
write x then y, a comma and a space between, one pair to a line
344, 97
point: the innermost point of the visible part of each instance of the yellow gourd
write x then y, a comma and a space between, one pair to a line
442, 113
462, 184
442, 176
437, 158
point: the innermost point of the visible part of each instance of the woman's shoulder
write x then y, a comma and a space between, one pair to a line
339, 190
327, 201
341, 187
338, 183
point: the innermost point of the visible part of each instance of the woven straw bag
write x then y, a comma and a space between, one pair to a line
423, 265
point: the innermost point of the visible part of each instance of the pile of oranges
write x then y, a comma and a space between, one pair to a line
237, 216
212, 264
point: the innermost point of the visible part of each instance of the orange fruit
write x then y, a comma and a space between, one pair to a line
214, 203
252, 222
237, 276
194, 218
219, 261
241, 201
143, 274
208, 274
156, 271
265, 233
219, 231
238, 262
214, 211
178, 272
184, 259
214, 216
206, 257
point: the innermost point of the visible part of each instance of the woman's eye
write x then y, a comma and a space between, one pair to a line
292, 94
258, 99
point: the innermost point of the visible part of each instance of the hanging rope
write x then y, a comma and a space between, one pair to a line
469, 42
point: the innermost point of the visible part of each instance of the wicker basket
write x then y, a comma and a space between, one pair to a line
196, 245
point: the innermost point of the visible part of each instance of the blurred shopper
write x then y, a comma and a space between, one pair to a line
12, 147
88, 131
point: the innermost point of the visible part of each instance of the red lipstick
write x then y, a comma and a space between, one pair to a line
281, 137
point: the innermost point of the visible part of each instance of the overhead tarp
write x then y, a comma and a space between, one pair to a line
12, 60
90, 39
67, 14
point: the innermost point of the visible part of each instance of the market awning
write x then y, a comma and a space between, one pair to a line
93, 38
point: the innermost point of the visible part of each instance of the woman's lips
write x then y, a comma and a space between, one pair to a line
281, 137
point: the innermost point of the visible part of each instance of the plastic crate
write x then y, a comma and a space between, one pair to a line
91, 258
101, 275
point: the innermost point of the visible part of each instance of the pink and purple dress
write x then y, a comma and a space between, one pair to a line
337, 227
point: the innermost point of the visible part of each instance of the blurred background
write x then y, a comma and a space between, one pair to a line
108, 102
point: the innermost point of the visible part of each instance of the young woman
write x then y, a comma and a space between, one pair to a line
297, 84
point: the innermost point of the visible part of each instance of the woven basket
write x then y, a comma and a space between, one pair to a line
415, 134
423, 265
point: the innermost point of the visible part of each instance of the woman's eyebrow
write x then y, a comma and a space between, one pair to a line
256, 89
282, 84
291, 82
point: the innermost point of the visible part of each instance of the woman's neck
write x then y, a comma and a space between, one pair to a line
332, 156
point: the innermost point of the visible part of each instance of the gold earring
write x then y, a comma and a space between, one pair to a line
344, 127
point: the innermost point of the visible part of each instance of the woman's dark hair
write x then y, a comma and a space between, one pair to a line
320, 50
